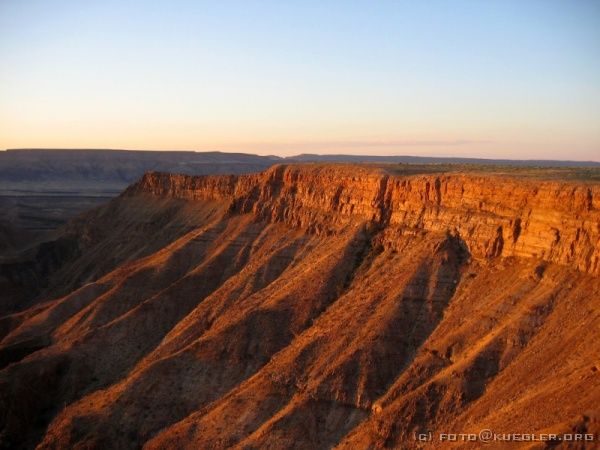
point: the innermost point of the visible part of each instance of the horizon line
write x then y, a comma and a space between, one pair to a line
476, 158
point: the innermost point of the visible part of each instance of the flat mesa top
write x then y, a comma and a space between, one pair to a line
579, 174
531, 173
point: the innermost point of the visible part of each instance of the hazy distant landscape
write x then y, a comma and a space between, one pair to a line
41, 189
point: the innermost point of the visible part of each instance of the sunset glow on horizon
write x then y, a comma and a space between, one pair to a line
499, 79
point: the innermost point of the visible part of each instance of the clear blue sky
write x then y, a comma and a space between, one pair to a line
517, 79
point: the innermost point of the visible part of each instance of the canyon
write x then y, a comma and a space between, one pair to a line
307, 306
41, 189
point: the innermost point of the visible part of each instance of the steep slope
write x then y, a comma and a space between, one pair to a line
314, 307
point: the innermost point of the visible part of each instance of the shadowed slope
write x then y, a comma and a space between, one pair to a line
314, 307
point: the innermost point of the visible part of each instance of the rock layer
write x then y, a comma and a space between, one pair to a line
553, 221
312, 307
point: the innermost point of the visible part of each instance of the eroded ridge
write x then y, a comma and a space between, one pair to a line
495, 216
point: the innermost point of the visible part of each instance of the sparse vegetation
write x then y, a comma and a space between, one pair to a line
583, 174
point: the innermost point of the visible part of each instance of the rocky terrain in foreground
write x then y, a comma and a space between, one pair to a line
309, 306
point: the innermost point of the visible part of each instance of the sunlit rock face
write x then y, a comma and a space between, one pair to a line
495, 216
312, 306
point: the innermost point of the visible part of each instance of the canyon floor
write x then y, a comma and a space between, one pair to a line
309, 306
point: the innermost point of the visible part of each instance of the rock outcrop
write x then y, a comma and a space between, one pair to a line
312, 307
553, 221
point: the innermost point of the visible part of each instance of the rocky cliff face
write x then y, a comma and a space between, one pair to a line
313, 307
557, 222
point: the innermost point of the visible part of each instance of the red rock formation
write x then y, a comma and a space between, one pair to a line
553, 221
314, 307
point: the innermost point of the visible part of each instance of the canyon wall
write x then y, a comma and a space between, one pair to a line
495, 216
311, 307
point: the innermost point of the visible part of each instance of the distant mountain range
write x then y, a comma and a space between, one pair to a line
405, 159
117, 168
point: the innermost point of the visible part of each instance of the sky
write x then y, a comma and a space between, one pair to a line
492, 79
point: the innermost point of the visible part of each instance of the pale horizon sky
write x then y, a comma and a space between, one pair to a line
490, 79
